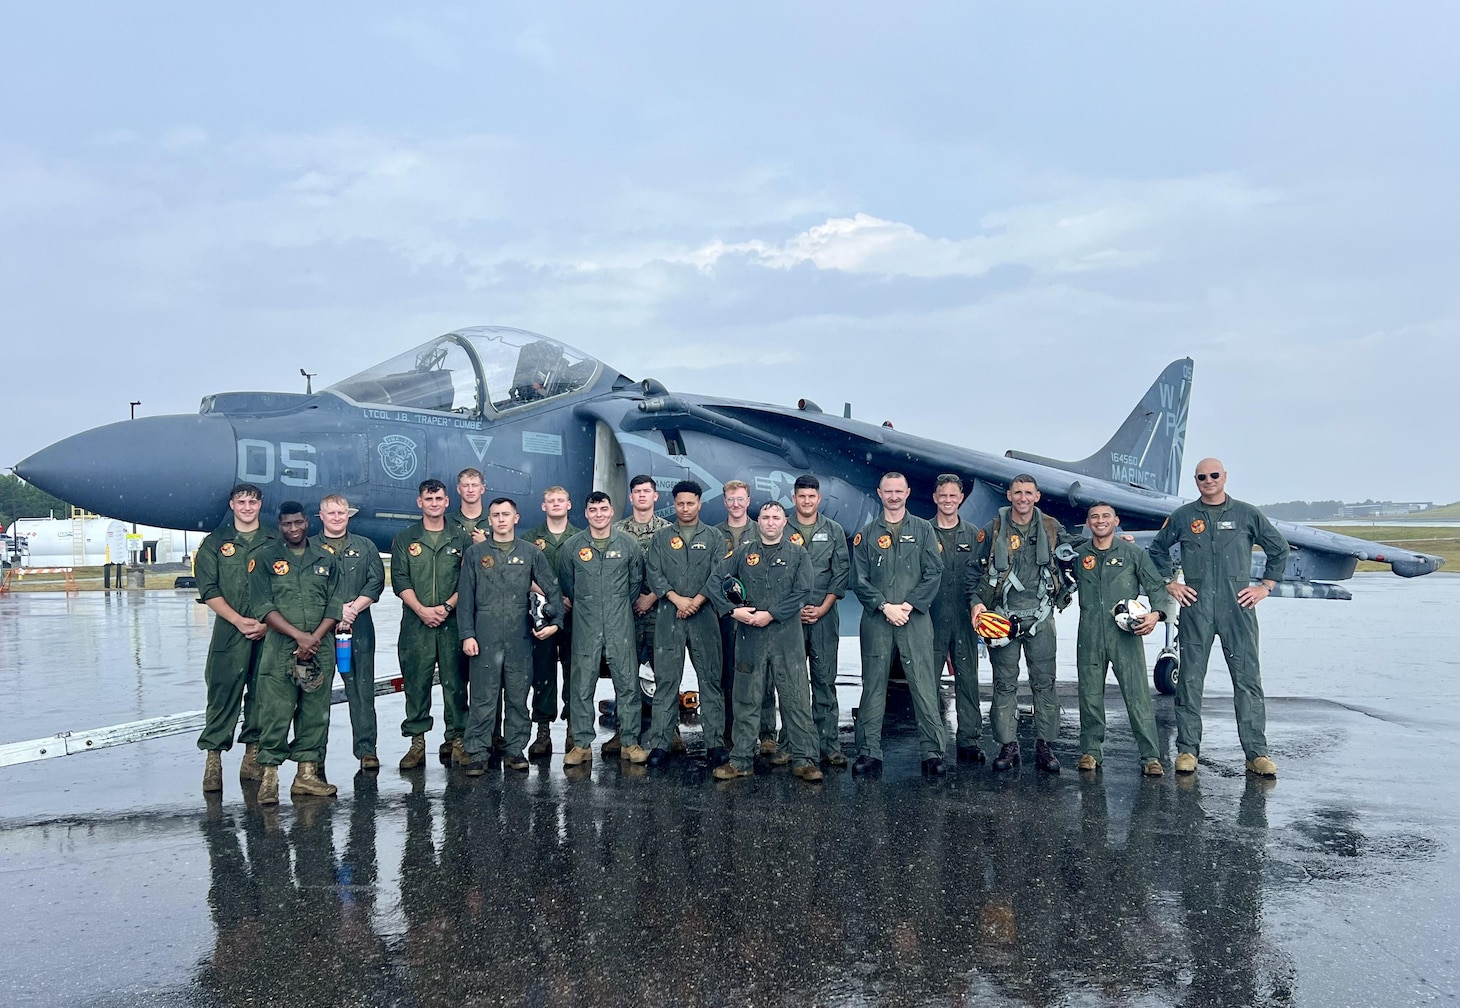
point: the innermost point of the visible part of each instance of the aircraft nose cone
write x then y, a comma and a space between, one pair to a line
154, 470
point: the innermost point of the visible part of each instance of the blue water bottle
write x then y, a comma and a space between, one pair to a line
342, 652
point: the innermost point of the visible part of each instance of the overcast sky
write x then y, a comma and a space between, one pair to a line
991, 224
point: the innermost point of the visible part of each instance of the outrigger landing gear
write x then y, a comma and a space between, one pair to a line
1168, 663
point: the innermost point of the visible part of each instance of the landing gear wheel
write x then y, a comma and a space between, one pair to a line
1166, 674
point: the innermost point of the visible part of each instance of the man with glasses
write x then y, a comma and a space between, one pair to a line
1216, 534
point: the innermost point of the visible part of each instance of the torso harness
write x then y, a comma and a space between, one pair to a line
1001, 577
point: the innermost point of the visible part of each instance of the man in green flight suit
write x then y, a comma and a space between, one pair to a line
362, 579
556, 650
294, 589
1109, 571
678, 566
1017, 575
233, 652
425, 563
954, 641
601, 571
896, 571
1216, 534
494, 591
642, 522
825, 542
776, 577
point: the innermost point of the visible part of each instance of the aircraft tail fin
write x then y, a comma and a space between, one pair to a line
1146, 450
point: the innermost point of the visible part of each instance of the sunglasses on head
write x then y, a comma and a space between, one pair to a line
1203, 477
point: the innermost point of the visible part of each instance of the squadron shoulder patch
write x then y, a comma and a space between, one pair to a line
982, 535
414, 549
540, 543
326, 547
884, 542
488, 562
281, 567
798, 539
1198, 526
751, 559
857, 539
252, 563
585, 554
1088, 563
1015, 542
227, 549
676, 542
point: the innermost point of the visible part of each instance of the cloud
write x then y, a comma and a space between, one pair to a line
1104, 227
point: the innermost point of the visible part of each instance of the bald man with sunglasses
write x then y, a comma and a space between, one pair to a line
1216, 534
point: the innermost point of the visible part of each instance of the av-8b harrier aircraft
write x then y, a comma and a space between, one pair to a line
531, 412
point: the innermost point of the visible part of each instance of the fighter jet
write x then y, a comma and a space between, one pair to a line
531, 412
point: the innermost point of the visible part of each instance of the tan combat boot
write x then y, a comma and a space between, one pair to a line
1152, 768
213, 771
307, 782
1087, 762
1262, 766
269, 785
613, 746
370, 762
676, 744
634, 754
458, 752
778, 756
416, 754
578, 756
1185, 763
808, 772
543, 744
249, 769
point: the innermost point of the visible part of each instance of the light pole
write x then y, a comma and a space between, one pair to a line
133, 406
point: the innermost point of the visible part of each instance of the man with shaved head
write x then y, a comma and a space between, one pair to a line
1216, 534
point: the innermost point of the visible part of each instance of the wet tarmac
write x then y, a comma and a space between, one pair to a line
1337, 884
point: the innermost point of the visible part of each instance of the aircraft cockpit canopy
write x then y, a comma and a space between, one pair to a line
474, 371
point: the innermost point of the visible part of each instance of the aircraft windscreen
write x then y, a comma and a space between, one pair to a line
438, 375
521, 367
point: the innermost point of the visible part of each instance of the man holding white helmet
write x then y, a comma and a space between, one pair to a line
1112, 573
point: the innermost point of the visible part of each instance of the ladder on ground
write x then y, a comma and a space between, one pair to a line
69, 743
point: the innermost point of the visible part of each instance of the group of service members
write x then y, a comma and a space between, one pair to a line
493, 615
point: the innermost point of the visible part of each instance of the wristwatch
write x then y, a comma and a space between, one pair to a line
448, 607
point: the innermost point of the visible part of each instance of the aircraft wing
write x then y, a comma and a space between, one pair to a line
813, 440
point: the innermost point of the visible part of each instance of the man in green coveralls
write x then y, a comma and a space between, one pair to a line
1216, 534
294, 589
1110, 570
233, 652
825, 542
494, 590
1017, 576
896, 571
954, 641
469, 515
776, 577
737, 525
548, 654
641, 522
362, 579
425, 562
678, 566
601, 571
